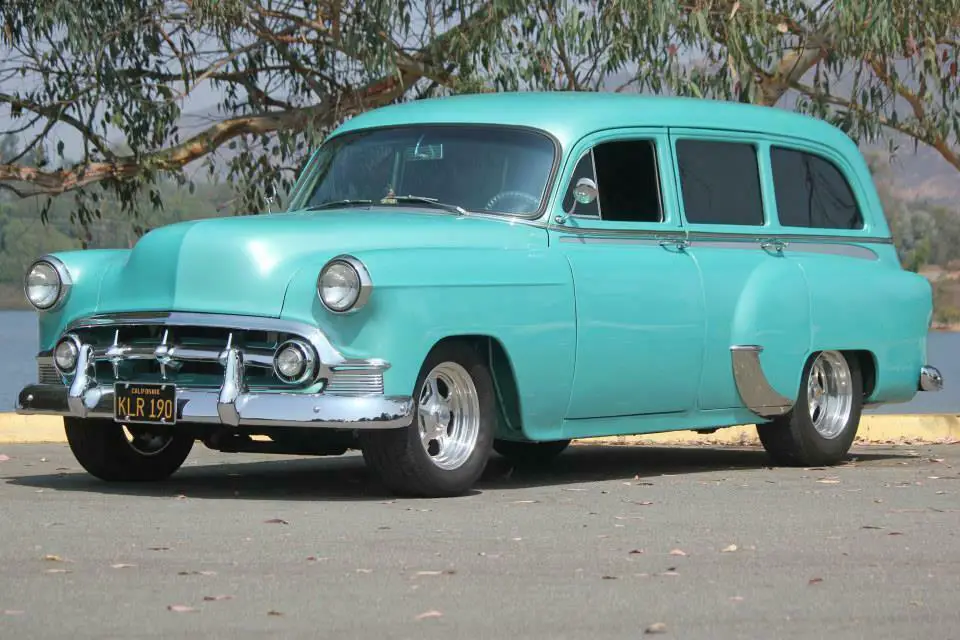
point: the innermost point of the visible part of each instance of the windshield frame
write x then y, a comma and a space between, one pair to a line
306, 182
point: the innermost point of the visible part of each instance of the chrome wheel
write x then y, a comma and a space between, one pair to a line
145, 442
830, 394
448, 415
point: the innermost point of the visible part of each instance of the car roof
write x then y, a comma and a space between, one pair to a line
570, 115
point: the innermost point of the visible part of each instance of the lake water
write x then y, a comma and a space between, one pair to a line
19, 338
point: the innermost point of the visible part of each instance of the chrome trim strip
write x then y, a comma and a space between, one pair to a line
253, 409
930, 379
232, 389
720, 237
752, 385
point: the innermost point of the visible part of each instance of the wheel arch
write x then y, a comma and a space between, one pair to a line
505, 385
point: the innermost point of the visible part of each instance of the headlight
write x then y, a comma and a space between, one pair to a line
45, 283
66, 352
294, 361
344, 284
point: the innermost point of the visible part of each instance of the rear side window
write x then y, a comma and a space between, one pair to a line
812, 192
720, 182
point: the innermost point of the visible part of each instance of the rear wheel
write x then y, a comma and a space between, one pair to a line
530, 454
823, 423
119, 453
446, 448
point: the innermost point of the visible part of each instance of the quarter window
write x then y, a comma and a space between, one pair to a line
627, 178
812, 192
720, 182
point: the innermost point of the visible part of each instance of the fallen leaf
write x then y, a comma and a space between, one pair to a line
4, 458
159, 548
428, 614
121, 565
678, 552
524, 501
815, 581
217, 598
609, 578
53, 558
364, 570
445, 572
729, 548
196, 573
828, 481
275, 521
870, 526
274, 613
894, 533
58, 571
656, 627
668, 572
179, 608
635, 551
316, 558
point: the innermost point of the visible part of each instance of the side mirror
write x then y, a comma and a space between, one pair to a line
270, 193
586, 191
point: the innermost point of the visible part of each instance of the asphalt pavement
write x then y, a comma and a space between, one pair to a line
612, 542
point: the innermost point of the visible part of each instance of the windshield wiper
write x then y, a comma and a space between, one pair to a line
431, 201
338, 203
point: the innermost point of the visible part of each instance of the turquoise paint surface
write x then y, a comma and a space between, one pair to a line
595, 333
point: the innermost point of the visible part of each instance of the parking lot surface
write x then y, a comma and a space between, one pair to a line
611, 542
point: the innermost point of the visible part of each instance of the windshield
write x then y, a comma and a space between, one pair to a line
477, 168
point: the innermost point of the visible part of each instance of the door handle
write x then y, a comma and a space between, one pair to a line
774, 244
679, 244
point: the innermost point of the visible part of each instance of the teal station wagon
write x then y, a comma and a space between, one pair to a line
498, 272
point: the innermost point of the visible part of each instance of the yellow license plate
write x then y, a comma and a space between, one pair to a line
145, 403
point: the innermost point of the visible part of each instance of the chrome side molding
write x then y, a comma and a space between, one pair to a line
752, 385
930, 379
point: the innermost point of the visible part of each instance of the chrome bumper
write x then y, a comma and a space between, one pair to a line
930, 379
246, 409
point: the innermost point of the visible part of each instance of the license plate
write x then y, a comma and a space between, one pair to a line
145, 403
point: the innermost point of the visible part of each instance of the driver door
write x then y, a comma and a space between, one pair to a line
639, 303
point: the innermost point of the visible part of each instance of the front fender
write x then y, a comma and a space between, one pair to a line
86, 269
521, 297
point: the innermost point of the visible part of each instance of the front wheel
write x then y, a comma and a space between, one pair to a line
112, 452
822, 425
446, 448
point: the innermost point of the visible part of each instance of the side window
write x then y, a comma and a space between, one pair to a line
627, 178
720, 182
811, 192
584, 169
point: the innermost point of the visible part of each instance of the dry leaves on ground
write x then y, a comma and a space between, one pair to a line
180, 608
429, 614
656, 627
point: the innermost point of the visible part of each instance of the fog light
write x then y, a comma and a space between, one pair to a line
65, 353
293, 362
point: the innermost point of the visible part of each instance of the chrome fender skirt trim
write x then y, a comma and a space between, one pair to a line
752, 385
233, 407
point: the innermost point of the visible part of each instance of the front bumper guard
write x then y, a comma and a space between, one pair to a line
231, 405
246, 410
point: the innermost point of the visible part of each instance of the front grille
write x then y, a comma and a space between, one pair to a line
48, 374
355, 383
189, 356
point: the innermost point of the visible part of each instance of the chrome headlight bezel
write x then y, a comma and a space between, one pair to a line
363, 288
64, 282
309, 362
71, 339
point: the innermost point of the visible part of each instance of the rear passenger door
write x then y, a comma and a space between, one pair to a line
638, 299
753, 295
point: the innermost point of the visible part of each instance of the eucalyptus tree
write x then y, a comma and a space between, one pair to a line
100, 92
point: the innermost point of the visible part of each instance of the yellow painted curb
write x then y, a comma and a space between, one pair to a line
874, 429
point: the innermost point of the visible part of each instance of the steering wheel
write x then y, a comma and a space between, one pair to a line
518, 195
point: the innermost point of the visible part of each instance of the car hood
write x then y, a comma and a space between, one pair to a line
243, 265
